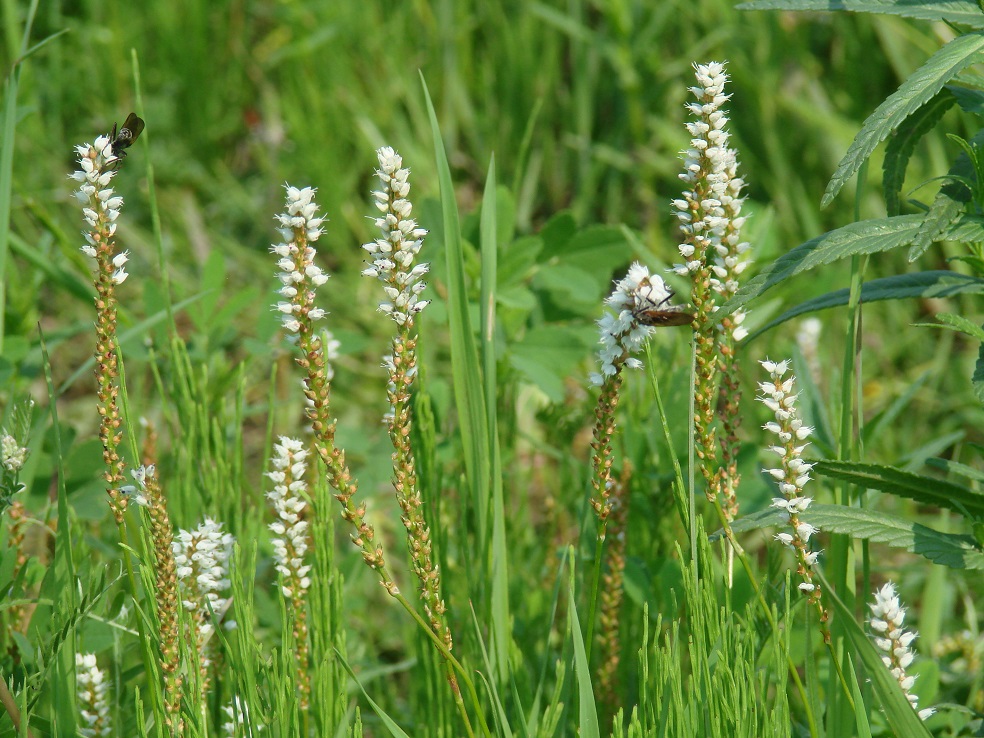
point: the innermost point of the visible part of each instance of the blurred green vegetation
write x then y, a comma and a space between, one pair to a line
582, 104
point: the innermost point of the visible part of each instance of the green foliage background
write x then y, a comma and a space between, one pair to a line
581, 104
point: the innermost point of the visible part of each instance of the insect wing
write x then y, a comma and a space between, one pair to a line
665, 318
129, 132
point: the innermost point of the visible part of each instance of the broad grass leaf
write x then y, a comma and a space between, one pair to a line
888, 479
912, 94
901, 146
955, 11
940, 283
468, 385
500, 617
548, 355
588, 726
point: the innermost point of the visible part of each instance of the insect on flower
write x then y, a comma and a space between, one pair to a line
122, 140
648, 311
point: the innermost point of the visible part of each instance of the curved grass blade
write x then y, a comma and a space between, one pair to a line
588, 726
394, 730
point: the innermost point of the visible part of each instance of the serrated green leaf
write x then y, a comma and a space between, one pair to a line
946, 549
916, 91
969, 229
898, 287
970, 100
961, 325
864, 237
903, 143
955, 11
942, 214
955, 467
890, 480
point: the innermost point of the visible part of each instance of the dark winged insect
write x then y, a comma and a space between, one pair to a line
649, 312
121, 140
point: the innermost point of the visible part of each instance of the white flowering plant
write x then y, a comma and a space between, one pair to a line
576, 438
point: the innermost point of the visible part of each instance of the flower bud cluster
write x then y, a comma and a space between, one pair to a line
202, 557
290, 543
887, 618
793, 472
621, 333
299, 275
710, 209
100, 205
12, 454
393, 253
92, 695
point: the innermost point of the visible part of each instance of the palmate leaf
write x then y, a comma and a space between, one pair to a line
915, 92
947, 549
949, 202
888, 479
964, 12
901, 146
898, 287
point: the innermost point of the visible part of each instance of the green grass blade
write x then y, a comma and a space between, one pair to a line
587, 710
394, 730
500, 615
468, 388
9, 126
